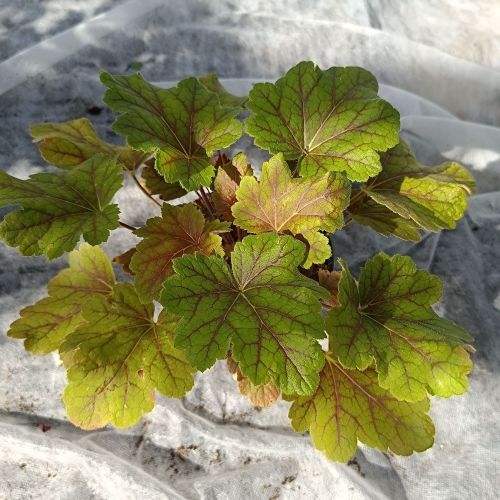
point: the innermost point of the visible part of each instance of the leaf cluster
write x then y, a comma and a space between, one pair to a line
241, 273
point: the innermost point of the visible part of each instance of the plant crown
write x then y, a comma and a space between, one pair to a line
240, 272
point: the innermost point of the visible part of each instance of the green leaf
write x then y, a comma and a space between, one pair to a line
387, 318
226, 183
383, 221
301, 206
156, 184
58, 208
180, 230
263, 309
118, 357
44, 325
433, 198
182, 125
134, 65
212, 83
349, 405
330, 120
69, 144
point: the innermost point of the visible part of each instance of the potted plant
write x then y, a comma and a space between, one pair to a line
240, 272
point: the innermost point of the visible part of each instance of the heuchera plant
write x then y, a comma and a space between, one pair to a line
240, 272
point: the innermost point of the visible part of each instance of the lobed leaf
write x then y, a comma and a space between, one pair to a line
44, 325
383, 221
281, 203
262, 309
117, 358
349, 405
69, 144
211, 82
182, 125
387, 319
59, 208
330, 120
429, 198
180, 230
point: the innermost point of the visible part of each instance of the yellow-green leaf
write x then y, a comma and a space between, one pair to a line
319, 249
350, 406
431, 198
117, 359
280, 203
44, 325
69, 144
383, 221
387, 319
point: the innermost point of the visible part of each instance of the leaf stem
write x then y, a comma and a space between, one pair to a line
143, 189
205, 201
297, 167
126, 226
201, 199
358, 196
209, 199
220, 159
228, 239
